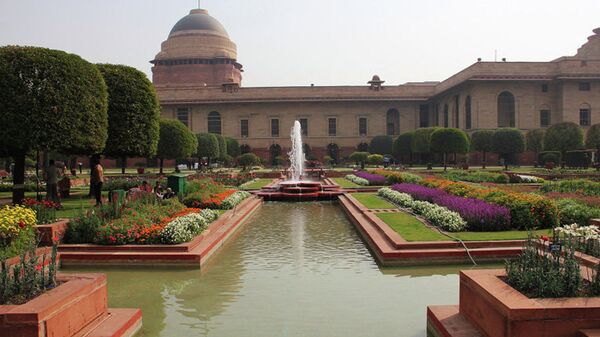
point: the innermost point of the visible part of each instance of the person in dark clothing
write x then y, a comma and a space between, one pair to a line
97, 180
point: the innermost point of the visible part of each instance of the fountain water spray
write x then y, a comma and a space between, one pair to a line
296, 154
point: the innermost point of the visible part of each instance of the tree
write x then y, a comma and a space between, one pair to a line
421, 141
534, 140
248, 159
507, 142
563, 137
233, 147
208, 146
381, 145
449, 140
222, 146
49, 100
592, 140
360, 157
176, 141
403, 145
375, 159
133, 113
482, 141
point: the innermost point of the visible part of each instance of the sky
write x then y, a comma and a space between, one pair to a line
321, 42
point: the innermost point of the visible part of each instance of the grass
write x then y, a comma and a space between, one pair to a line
411, 229
372, 201
345, 183
257, 184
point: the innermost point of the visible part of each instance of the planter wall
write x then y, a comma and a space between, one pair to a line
77, 307
498, 310
48, 231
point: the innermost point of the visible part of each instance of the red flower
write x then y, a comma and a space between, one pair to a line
21, 224
544, 238
38, 267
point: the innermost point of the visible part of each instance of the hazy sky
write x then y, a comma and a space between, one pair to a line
325, 42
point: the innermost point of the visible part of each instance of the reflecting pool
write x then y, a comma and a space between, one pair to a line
295, 269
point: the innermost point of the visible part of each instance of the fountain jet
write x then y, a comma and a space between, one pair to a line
296, 154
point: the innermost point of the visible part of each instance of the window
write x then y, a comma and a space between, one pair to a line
468, 124
423, 115
445, 115
456, 111
544, 118
584, 86
304, 126
183, 115
392, 122
274, 127
332, 126
214, 122
506, 110
362, 126
584, 117
544, 87
436, 115
244, 128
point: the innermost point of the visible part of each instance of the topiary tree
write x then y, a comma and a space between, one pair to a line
563, 137
507, 142
248, 160
375, 159
208, 146
592, 141
233, 147
49, 100
133, 113
449, 140
403, 145
176, 141
222, 146
482, 141
421, 141
360, 157
534, 140
381, 145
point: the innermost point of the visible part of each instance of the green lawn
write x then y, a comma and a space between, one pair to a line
412, 229
257, 184
345, 183
372, 201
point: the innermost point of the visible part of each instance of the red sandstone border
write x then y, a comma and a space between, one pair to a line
390, 249
194, 253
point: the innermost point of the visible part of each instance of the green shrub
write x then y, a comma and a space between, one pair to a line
572, 211
583, 186
477, 177
578, 159
83, 229
393, 177
549, 157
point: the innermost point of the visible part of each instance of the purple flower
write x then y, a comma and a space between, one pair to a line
479, 215
373, 179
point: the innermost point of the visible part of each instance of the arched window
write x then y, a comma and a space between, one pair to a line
333, 151
245, 149
506, 110
214, 122
468, 124
585, 115
392, 122
363, 147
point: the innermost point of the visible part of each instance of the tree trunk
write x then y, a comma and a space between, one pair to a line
506, 162
123, 164
18, 190
445, 166
484, 160
362, 165
93, 161
162, 160
562, 159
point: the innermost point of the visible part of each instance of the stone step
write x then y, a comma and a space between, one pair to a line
446, 321
118, 323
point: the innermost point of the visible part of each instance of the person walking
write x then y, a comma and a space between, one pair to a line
97, 180
52, 173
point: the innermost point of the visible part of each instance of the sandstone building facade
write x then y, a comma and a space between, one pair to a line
198, 81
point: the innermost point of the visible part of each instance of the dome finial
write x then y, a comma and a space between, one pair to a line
199, 4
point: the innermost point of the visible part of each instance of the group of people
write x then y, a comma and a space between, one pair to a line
158, 190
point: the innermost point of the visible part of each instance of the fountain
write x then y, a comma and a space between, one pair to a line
297, 186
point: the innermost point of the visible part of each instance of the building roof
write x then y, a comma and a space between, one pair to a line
198, 19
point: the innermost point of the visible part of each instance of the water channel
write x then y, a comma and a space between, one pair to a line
295, 269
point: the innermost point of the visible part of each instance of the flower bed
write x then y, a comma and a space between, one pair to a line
438, 216
584, 239
479, 215
45, 210
357, 180
17, 232
393, 177
580, 186
527, 211
373, 179
477, 177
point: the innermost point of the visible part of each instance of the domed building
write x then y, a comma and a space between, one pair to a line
198, 81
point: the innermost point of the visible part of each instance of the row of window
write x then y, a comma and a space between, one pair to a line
583, 86
192, 61
331, 127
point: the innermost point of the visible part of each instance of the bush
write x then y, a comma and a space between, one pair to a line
45, 211
582, 186
477, 177
563, 137
549, 157
403, 145
507, 142
83, 229
572, 211
248, 160
578, 159
393, 177
381, 145
375, 159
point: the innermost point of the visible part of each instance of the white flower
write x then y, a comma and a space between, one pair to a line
357, 180
234, 199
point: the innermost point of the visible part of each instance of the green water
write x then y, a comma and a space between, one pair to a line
295, 269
